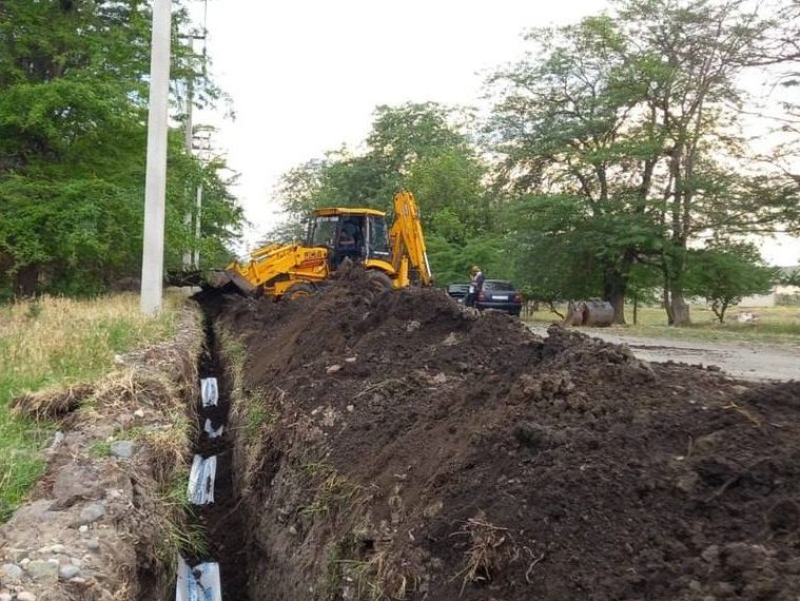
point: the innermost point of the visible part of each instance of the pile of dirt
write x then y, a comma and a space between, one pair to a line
397, 445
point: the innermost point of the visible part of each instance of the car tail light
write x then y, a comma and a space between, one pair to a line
518, 298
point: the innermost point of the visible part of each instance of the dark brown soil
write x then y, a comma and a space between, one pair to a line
418, 449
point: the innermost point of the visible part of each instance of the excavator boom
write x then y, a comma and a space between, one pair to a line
409, 255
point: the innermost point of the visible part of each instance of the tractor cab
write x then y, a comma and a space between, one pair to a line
357, 234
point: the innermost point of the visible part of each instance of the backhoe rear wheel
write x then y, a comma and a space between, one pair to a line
300, 290
379, 280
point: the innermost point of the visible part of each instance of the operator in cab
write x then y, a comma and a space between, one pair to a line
346, 241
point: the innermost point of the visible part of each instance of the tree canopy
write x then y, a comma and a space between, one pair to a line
73, 94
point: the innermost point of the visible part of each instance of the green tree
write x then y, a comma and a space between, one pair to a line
415, 146
73, 91
700, 49
551, 250
725, 272
567, 128
629, 121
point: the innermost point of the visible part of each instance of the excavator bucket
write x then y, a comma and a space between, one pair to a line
228, 278
224, 279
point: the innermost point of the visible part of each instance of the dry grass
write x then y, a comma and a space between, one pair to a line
489, 549
51, 403
50, 344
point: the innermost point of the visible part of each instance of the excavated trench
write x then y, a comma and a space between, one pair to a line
216, 504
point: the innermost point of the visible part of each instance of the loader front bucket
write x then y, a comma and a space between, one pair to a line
223, 279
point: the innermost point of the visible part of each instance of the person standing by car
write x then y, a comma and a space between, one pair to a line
475, 285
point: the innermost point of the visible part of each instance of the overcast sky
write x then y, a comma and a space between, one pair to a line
306, 75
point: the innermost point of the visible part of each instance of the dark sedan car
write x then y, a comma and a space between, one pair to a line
458, 292
501, 295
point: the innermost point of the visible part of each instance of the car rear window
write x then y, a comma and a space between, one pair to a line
497, 285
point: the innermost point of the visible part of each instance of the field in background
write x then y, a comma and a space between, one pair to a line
779, 325
56, 342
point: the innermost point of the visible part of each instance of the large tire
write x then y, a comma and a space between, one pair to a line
379, 280
299, 290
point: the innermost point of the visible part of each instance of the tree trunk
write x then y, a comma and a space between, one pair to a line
615, 285
667, 304
26, 281
615, 294
679, 308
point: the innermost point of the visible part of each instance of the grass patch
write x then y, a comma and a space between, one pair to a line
100, 448
54, 342
773, 325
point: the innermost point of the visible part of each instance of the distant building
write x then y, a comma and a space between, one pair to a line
777, 292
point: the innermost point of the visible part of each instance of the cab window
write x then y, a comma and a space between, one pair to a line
323, 231
379, 237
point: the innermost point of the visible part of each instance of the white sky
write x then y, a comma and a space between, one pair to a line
306, 75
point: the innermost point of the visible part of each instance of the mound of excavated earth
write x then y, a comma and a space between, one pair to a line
393, 443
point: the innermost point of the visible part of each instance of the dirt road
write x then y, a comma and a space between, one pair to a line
742, 360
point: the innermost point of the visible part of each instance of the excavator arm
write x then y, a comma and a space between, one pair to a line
276, 267
409, 255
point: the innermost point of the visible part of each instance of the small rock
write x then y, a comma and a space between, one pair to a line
58, 549
10, 571
122, 449
25, 561
350, 360
332, 369
710, 554
440, 378
93, 544
91, 513
67, 572
139, 413
16, 555
350, 408
76, 562
26, 596
77, 481
43, 571
78, 580
119, 360
412, 325
431, 511
5, 597
83, 529
58, 438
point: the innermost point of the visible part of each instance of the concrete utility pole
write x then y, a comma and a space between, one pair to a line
156, 179
188, 140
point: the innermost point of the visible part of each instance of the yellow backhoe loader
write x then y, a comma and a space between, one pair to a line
393, 257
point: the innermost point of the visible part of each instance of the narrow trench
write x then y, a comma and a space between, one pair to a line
221, 522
